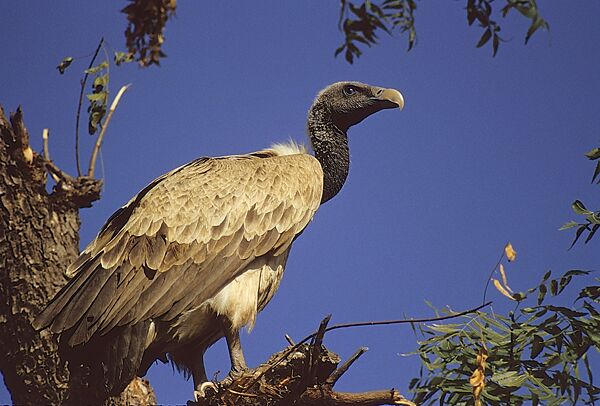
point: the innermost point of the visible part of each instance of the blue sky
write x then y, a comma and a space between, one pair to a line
487, 150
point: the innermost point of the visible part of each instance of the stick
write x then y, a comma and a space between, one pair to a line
45, 136
337, 374
83, 82
112, 109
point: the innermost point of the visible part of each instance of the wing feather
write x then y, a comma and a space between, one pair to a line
184, 237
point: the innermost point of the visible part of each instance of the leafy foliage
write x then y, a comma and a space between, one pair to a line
98, 98
146, 24
536, 354
360, 23
592, 219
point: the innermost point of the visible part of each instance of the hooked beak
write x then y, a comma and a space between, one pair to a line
390, 98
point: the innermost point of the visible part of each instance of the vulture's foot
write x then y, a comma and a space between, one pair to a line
233, 375
204, 389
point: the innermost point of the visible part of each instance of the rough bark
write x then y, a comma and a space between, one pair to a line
39, 237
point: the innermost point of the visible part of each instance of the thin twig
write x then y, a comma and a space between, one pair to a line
387, 322
112, 109
81, 92
289, 339
487, 284
369, 323
45, 136
252, 395
337, 374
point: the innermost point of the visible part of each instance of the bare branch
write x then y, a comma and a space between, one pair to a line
45, 136
337, 374
324, 396
112, 109
289, 339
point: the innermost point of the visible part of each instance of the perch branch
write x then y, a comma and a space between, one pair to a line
81, 92
325, 396
112, 109
337, 374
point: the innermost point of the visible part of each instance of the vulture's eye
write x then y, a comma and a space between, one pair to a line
349, 90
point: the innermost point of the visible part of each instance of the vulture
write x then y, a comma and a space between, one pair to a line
196, 254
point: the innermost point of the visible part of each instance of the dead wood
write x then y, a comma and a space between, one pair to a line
300, 375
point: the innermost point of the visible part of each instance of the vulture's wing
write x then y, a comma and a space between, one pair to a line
183, 238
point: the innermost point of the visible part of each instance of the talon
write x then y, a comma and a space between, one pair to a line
233, 375
201, 392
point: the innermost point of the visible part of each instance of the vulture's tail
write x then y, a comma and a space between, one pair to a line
106, 364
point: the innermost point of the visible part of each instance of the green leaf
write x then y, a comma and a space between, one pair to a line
96, 97
554, 287
568, 225
579, 208
123, 57
537, 345
578, 233
64, 64
537, 23
487, 34
509, 378
546, 276
95, 69
593, 154
541, 293
495, 44
596, 172
100, 82
446, 328
566, 312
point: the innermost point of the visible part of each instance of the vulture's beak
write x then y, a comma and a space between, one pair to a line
391, 98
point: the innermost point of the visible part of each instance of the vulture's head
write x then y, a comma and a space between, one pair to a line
348, 103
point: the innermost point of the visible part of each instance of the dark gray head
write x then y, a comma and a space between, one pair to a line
337, 108
345, 104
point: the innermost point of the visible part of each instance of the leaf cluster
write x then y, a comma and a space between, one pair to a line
591, 222
360, 23
538, 354
98, 98
144, 34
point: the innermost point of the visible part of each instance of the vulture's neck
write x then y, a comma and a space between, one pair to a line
331, 150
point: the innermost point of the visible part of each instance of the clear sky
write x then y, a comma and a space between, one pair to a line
487, 150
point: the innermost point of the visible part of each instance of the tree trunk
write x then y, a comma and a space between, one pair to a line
39, 237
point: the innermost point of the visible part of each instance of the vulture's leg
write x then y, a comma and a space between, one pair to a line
201, 382
236, 355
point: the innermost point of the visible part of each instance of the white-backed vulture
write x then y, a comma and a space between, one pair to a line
201, 250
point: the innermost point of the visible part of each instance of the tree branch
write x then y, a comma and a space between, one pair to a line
112, 109
337, 374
